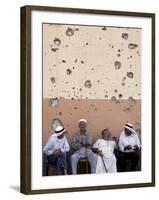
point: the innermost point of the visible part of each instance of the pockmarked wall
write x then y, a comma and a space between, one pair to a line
91, 72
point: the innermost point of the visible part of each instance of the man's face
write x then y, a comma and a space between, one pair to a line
61, 136
82, 127
106, 135
127, 132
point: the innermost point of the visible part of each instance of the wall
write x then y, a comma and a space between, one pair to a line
10, 104
91, 72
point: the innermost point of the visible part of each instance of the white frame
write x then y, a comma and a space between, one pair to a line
40, 183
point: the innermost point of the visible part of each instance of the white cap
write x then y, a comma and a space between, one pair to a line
82, 120
59, 131
129, 127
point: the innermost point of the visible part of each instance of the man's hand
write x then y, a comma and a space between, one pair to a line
56, 152
136, 148
100, 153
78, 141
128, 147
86, 145
97, 151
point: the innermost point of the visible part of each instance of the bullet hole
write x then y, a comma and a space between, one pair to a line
82, 62
130, 74
106, 96
125, 36
72, 98
117, 65
118, 55
112, 46
136, 85
120, 95
54, 102
132, 101
138, 53
73, 88
115, 90
127, 110
68, 71
87, 43
130, 56
114, 100
80, 89
77, 29
70, 32
56, 122
104, 28
73, 67
75, 108
54, 49
75, 60
64, 61
88, 84
124, 78
132, 46
57, 41
139, 94
92, 68
98, 81
123, 84
60, 113
119, 50
52, 79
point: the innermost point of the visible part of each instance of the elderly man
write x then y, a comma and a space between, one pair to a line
81, 144
104, 147
129, 146
56, 149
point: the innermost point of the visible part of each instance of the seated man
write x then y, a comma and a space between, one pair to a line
56, 149
129, 146
104, 147
81, 144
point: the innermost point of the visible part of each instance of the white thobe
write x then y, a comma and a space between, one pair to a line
109, 159
55, 143
125, 140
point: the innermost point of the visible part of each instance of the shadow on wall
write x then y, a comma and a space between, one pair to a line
99, 113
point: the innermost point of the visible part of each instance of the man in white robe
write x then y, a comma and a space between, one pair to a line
129, 145
56, 150
104, 147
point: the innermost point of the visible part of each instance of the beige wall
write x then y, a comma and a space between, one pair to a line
91, 72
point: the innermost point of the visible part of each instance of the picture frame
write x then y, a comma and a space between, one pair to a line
31, 74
